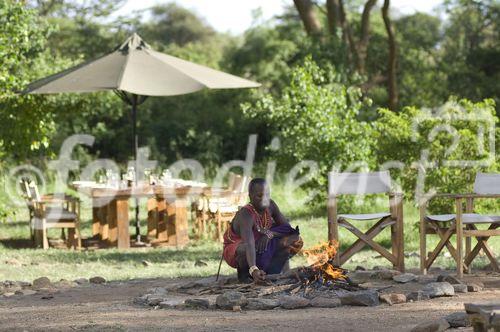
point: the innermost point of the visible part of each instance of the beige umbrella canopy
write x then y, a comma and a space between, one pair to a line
135, 68
134, 71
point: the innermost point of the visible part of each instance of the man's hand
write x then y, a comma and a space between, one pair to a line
261, 244
259, 276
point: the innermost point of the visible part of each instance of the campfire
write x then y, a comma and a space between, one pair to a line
320, 280
320, 276
320, 260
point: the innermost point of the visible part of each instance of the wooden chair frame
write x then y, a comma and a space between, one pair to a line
218, 220
395, 221
42, 219
445, 230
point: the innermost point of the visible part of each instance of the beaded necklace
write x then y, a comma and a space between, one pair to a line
264, 222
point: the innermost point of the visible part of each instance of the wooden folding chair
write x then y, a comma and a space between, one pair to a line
222, 209
52, 211
463, 225
27, 195
362, 184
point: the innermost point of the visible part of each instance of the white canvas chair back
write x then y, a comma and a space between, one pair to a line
487, 183
30, 189
231, 180
238, 183
359, 183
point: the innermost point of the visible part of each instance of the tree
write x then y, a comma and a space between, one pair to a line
171, 23
391, 66
471, 49
24, 126
316, 119
357, 47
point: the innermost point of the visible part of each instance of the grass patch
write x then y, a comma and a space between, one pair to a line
19, 262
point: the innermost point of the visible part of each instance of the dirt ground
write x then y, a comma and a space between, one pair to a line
109, 307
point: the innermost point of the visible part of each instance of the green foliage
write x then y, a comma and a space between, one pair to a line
316, 119
22, 37
25, 126
471, 49
171, 23
425, 138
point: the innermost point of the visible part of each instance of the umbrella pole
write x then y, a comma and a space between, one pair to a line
136, 147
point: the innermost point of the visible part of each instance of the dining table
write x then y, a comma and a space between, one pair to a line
167, 207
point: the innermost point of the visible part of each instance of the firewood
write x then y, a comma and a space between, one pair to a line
276, 289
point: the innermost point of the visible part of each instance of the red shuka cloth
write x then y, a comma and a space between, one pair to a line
232, 240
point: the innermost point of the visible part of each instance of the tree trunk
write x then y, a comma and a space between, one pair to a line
308, 16
392, 88
362, 46
333, 13
336, 9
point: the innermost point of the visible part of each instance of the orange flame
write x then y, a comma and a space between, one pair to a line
319, 257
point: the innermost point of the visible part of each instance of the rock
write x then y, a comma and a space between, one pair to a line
229, 299
146, 263
63, 283
97, 280
205, 282
154, 300
432, 326
24, 284
8, 294
404, 278
362, 298
171, 304
359, 268
417, 296
236, 308
360, 277
474, 287
160, 291
12, 289
425, 279
262, 304
25, 292
42, 282
392, 298
294, 302
325, 302
386, 274
81, 281
142, 300
437, 289
199, 262
378, 267
460, 288
447, 278
197, 303
458, 319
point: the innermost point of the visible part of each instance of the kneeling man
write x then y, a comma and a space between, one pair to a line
260, 240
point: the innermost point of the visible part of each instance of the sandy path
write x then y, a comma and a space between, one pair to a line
109, 307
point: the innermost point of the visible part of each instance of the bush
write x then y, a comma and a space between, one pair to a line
316, 120
438, 139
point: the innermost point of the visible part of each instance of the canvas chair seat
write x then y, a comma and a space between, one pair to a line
228, 209
57, 213
223, 207
365, 216
467, 218
486, 185
366, 184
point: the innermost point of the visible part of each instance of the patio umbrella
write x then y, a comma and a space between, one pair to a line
134, 71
